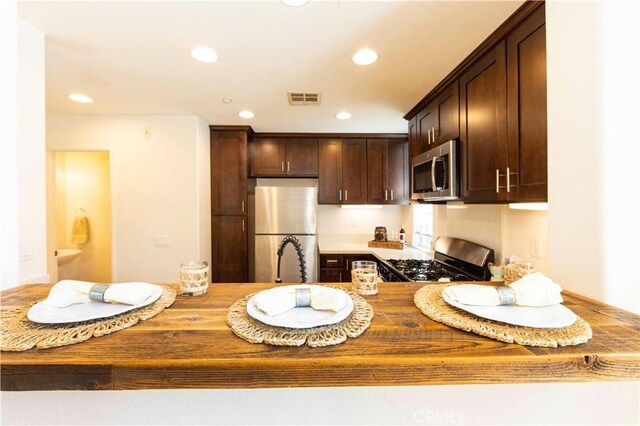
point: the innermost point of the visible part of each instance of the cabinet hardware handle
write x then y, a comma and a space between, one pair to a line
385, 195
340, 194
242, 225
497, 181
242, 206
433, 132
332, 260
392, 195
429, 137
508, 181
288, 167
340, 276
282, 166
346, 196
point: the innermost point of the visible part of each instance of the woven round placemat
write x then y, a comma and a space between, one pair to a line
429, 300
17, 333
255, 331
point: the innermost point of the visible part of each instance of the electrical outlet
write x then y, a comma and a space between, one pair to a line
161, 241
147, 132
536, 247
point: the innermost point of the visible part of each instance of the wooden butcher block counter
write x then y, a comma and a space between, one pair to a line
189, 345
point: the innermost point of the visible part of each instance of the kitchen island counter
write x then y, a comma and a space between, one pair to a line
189, 345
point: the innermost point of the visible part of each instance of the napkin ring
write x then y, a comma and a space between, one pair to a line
506, 294
303, 297
96, 292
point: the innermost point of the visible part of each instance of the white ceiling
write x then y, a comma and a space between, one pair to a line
133, 57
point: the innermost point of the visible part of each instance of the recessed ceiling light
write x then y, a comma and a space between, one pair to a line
80, 98
344, 115
365, 57
246, 114
226, 101
294, 3
204, 54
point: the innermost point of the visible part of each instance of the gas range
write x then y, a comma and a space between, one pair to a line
454, 260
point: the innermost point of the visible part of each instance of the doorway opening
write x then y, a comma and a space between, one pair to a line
79, 215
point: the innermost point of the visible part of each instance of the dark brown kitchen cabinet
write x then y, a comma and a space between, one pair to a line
387, 171
446, 108
342, 175
527, 111
495, 101
503, 118
229, 236
337, 267
228, 172
438, 122
279, 157
229, 251
483, 126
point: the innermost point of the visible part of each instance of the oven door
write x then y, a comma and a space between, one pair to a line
434, 174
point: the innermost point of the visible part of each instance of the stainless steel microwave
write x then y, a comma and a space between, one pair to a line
435, 174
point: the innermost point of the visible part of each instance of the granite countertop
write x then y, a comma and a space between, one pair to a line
357, 244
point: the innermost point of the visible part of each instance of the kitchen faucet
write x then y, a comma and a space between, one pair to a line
296, 244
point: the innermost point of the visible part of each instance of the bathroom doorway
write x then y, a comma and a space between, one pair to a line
79, 215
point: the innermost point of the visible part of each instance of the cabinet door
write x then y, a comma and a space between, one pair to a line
268, 157
354, 171
302, 157
377, 171
398, 171
483, 128
228, 172
527, 113
426, 129
446, 108
330, 171
229, 249
331, 275
414, 142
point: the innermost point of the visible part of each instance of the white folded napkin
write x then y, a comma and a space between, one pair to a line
531, 290
282, 299
70, 292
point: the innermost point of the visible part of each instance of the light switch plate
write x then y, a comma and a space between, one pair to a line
161, 241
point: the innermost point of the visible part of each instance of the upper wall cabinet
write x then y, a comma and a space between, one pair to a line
343, 171
387, 171
483, 126
284, 157
436, 123
495, 102
527, 110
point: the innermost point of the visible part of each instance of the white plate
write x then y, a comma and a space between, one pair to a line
301, 317
555, 316
85, 311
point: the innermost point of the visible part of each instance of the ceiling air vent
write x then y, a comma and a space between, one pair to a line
300, 99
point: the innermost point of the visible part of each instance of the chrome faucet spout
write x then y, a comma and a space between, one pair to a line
296, 244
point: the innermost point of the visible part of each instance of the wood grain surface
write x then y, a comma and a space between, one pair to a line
189, 345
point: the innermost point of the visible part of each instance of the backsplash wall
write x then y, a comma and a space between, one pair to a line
336, 220
508, 232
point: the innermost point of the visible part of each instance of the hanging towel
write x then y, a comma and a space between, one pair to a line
80, 231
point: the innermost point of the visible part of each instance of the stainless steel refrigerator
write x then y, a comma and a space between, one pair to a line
279, 212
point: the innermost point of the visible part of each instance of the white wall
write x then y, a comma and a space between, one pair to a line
594, 188
156, 188
9, 244
32, 219
336, 220
506, 231
203, 176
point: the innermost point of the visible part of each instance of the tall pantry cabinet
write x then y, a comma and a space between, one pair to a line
229, 225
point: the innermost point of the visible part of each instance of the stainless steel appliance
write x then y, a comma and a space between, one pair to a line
454, 260
282, 212
435, 174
